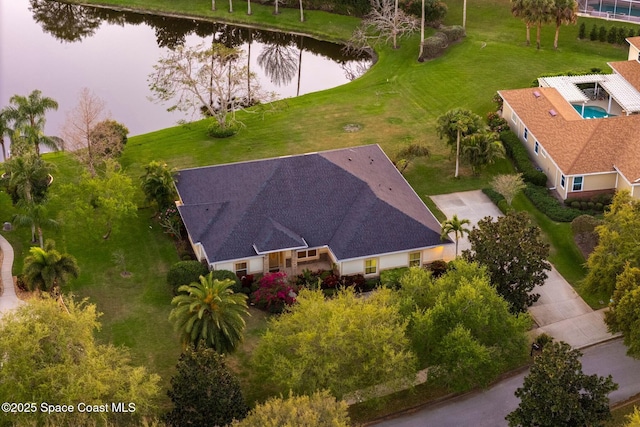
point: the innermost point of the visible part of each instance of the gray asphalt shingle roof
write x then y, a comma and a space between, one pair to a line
352, 200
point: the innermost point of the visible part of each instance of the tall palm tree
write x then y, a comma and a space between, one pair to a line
457, 226
482, 148
519, 9
456, 124
540, 12
47, 269
210, 312
28, 114
422, 34
28, 178
36, 216
4, 130
565, 13
464, 14
301, 12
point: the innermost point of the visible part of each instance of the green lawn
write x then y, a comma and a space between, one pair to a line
396, 103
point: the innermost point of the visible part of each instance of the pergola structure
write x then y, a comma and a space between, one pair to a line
614, 84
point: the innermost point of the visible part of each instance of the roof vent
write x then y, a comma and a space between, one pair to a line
553, 113
536, 94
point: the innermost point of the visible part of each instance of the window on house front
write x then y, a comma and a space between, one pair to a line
310, 253
371, 266
414, 259
525, 134
563, 181
536, 147
241, 269
577, 183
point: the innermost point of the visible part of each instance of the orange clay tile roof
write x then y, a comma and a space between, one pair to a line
634, 41
576, 145
630, 70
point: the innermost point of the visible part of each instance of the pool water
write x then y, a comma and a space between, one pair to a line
591, 112
622, 10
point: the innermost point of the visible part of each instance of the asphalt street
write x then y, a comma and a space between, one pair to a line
487, 408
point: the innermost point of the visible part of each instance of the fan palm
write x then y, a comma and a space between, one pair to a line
457, 226
28, 115
519, 9
211, 313
539, 12
482, 148
28, 178
157, 184
565, 13
456, 124
47, 269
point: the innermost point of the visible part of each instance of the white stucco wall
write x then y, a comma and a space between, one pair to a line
352, 267
393, 261
223, 266
256, 265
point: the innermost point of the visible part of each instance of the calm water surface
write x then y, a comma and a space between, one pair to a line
112, 53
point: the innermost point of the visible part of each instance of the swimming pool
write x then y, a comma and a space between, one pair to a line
591, 112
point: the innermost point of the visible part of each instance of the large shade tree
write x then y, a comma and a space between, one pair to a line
50, 354
28, 114
623, 314
556, 393
47, 269
209, 313
512, 250
456, 124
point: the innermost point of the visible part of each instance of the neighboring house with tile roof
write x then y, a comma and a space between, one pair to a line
583, 157
348, 209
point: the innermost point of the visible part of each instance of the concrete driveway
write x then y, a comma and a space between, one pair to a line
560, 312
8, 299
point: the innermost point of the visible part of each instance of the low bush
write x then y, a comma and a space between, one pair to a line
453, 32
391, 278
216, 131
520, 157
357, 281
496, 123
549, 205
434, 46
582, 32
498, 200
594, 205
274, 293
226, 274
184, 273
438, 268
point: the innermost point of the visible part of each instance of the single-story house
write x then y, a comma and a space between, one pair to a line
583, 131
348, 210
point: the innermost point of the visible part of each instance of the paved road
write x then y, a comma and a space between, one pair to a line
488, 408
8, 299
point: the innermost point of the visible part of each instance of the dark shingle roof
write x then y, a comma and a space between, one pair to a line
352, 200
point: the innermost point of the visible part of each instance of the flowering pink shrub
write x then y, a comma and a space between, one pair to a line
274, 293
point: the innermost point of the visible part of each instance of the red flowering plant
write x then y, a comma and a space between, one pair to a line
274, 293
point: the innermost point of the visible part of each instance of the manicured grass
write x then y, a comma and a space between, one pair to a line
396, 103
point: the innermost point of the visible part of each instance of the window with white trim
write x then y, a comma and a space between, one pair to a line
525, 134
241, 269
371, 266
308, 254
577, 183
563, 181
536, 148
415, 259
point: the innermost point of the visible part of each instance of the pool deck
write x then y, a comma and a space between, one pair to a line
615, 108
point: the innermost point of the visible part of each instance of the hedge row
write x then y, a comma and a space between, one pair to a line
498, 200
549, 205
435, 45
518, 153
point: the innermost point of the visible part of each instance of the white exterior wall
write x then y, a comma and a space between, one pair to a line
223, 266
256, 265
393, 261
432, 254
352, 267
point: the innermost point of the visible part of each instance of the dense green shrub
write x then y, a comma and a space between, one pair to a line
549, 205
582, 33
391, 278
438, 268
612, 35
621, 36
496, 123
593, 35
226, 274
518, 153
602, 34
184, 273
434, 46
216, 131
453, 32
584, 224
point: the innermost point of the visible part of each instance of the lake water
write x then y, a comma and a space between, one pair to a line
60, 49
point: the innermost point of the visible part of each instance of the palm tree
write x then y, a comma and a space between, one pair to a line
456, 226
210, 312
464, 14
249, 10
482, 148
47, 269
28, 115
519, 9
28, 178
157, 184
301, 12
540, 12
565, 13
456, 124
422, 34
4, 130
276, 12
34, 215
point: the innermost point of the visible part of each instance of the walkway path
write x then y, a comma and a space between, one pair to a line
8, 299
560, 312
